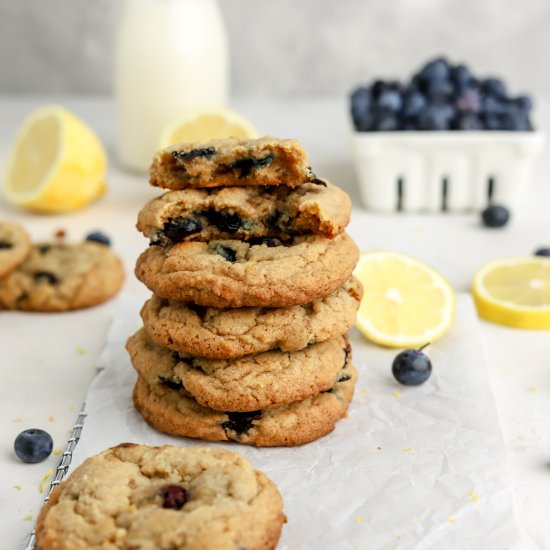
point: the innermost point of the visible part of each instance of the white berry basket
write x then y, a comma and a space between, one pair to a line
444, 171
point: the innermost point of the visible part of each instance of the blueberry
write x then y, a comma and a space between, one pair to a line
360, 106
413, 104
245, 166
240, 422
46, 277
495, 216
176, 229
515, 121
225, 221
439, 92
523, 103
467, 121
436, 70
98, 237
5, 245
33, 445
384, 120
390, 100
435, 117
379, 87
493, 105
270, 242
461, 76
491, 121
205, 152
173, 496
411, 367
469, 101
226, 252
494, 87
543, 251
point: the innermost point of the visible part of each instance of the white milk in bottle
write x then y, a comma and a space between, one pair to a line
170, 55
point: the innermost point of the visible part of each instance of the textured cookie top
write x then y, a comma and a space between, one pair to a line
172, 412
262, 381
245, 213
162, 498
234, 332
231, 162
231, 273
59, 277
14, 246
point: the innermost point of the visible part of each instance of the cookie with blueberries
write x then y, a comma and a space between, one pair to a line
61, 277
232, 273
138, 496
246, 213
14, 246
263, 381
231, 162
174, 412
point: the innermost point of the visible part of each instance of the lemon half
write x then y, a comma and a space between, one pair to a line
405, 303
514, 292
56, 163
201, 125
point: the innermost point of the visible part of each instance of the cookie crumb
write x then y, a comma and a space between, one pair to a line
397, 394
45, 480
60, 234
409, 450
17, 487
451, 520
18, 419
532, 389
473, 496
80, 350
365, 392
51, 418
28, 517
360, 520
56, 452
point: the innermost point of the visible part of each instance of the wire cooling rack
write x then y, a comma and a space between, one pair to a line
63, 466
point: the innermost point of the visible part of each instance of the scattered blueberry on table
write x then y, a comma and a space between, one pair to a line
495, 216
440, 96
411, 367
542, 251
98, 237
33, 445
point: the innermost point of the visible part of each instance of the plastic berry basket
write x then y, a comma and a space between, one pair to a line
453, 171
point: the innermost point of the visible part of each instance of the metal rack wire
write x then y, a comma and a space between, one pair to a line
63, 466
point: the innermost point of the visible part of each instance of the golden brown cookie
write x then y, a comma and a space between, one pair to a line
61, 277
234, 332
14, 246
233, 273
231, 162
162, 498
245, 213
264, 381
173, 412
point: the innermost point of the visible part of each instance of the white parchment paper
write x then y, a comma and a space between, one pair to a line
420, 468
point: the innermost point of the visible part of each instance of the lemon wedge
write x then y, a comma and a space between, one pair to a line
405, 303
56, 163
206, 124
514, 292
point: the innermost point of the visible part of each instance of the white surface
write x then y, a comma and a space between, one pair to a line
39, 384
431, 455
451, 171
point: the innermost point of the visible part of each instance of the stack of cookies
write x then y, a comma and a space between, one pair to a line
244, 338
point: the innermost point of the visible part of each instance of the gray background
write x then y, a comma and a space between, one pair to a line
288, 47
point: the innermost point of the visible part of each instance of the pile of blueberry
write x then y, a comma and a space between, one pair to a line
440, 96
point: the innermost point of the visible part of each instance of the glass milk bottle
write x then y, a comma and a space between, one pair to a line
170, 55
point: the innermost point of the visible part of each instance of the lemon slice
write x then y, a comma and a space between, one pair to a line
56, 163
514, 292
405, 303
207, 124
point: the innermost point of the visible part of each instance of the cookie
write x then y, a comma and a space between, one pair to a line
60, 277
245, 213
231, 162
162, 498
14, 246
231, 273
174, 413
234, 332
264, 381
